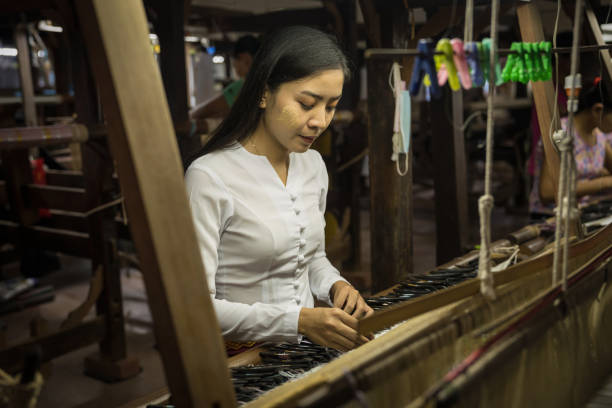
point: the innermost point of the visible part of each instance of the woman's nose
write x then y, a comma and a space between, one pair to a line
317, 120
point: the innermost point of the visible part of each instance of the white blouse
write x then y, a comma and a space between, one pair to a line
262, 242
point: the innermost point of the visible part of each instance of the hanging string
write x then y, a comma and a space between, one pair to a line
468, 30
559, 147
104, 206
485, 203
556, 83
571, 210
566, 203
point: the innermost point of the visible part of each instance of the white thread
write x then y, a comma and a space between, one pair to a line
567, 179
556, 103
513, 251
485, 203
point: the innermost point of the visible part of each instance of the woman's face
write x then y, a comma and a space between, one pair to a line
602, 117
606, 121
299, 111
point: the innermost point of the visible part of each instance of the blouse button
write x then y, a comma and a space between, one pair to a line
293, 197
297, 211
302, 228
300, 258
302, 242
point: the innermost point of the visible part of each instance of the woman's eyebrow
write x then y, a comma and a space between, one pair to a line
319, 97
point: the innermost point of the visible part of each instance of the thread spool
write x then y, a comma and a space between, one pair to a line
572, 98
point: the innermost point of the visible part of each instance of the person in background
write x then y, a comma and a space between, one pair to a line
219, 106
592, 152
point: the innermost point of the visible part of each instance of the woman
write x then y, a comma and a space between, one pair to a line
592, 152
258, 197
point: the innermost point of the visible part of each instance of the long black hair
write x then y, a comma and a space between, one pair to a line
286, 55
595, 92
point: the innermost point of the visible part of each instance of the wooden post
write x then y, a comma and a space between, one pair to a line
151, 175
450, 182
530, 23
17, 173
112, 362
169, 27
348, 10
25, 75
391, 194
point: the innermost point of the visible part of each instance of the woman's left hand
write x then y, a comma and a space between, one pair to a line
347, 298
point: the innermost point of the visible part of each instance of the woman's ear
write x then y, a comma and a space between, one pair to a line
263, 102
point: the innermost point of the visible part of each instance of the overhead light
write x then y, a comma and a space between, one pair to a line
153, 36
606, 27
48, 26
8, 52
192, 38
218, 59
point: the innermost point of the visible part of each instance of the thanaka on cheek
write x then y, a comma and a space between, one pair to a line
289, 116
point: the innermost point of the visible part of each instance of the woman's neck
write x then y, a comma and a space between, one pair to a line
584, 126
263, 144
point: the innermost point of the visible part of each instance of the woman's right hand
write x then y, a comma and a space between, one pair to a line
330, 327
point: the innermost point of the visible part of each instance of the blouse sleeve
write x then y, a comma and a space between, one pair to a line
321, 273
212, 209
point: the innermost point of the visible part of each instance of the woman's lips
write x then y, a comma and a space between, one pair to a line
308, 139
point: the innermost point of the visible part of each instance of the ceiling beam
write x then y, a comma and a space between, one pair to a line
249, 22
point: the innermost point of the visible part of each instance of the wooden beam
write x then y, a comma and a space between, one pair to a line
262, 22
64, 241
65, 178
450, 175
169, 29
390, 193
169, 26
66, 221
350, 95
60, 198
67, 242
25, 74
25, 137
590, 250
18, 172
530, 23
372, 23
604, 55
151, 177
53, 345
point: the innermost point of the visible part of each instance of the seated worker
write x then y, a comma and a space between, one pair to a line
258, 193
218, 107
592, 152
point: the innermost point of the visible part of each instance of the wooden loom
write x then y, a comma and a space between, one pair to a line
402, 366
